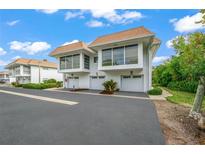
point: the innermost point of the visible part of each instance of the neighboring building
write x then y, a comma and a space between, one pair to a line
32, 71
126, 57
4, 76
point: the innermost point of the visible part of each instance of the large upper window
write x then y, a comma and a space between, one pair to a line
86, 62
62, 63
118, 56
76, 61
70, 62
107, 57
26, 69
131, 54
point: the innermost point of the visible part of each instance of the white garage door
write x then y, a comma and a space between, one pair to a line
132, 83
96, 82
73, 82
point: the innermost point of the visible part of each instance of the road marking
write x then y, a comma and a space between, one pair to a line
97, 94
60, 101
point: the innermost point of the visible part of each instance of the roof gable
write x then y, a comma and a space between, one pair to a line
70, 47
34, 62
120, 36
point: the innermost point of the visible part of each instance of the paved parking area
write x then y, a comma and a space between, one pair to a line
94, 120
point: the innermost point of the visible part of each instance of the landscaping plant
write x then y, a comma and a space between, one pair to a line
155, 91
110, 86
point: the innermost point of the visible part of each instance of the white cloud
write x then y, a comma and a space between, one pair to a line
94, 23
30, 48
71, 42
110, 16
48, 11
3, 63
13, 23
173, 20
16, 57
116, 17
160, 59
188, 23
2, 51
169, 43
72, 14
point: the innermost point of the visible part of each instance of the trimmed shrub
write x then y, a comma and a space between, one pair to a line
155, 91
39, 86
59, 84
50, 81
188, 86
15, 84
33, 86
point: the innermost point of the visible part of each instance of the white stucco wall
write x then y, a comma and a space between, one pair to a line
50, 73
34, 74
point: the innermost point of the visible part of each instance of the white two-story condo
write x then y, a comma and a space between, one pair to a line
4, 76
32, 71
126, 57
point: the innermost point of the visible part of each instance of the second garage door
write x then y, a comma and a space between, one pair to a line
73, 82
133, 83
96, 82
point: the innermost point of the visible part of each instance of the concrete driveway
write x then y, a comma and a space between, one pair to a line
94, 120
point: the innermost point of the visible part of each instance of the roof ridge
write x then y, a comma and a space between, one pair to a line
124, 31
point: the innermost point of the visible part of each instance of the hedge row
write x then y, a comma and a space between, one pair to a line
39, 86
155, 91
51, 83
189, 86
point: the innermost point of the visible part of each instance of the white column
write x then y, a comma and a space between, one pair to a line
21, 69
150, 69
99, 59
81, 61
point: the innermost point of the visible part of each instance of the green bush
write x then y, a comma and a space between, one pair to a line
39, 86
188, 86
33, 86
155, 91
50, 81
110, 86
59, 84
15, 84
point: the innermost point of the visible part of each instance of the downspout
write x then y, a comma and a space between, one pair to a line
39, 73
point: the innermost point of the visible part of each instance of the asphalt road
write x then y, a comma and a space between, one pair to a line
95, 120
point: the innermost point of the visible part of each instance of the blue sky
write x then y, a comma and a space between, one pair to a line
35, 33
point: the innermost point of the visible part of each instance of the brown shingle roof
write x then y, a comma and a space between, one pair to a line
123, 35
42, 63
4, 72
69, 48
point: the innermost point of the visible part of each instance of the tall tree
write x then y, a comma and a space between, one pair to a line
203, 17
191, 50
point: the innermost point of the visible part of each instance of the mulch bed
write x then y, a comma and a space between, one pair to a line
107, 92
177, 126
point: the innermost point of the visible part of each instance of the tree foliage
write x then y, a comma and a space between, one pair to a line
188, 64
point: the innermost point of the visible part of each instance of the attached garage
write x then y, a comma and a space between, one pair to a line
73, 82
133, 83
96, 82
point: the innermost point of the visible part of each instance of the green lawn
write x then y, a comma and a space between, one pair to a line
182, 98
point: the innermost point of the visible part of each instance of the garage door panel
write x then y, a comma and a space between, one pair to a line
73, 82
96, 82
132, 83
